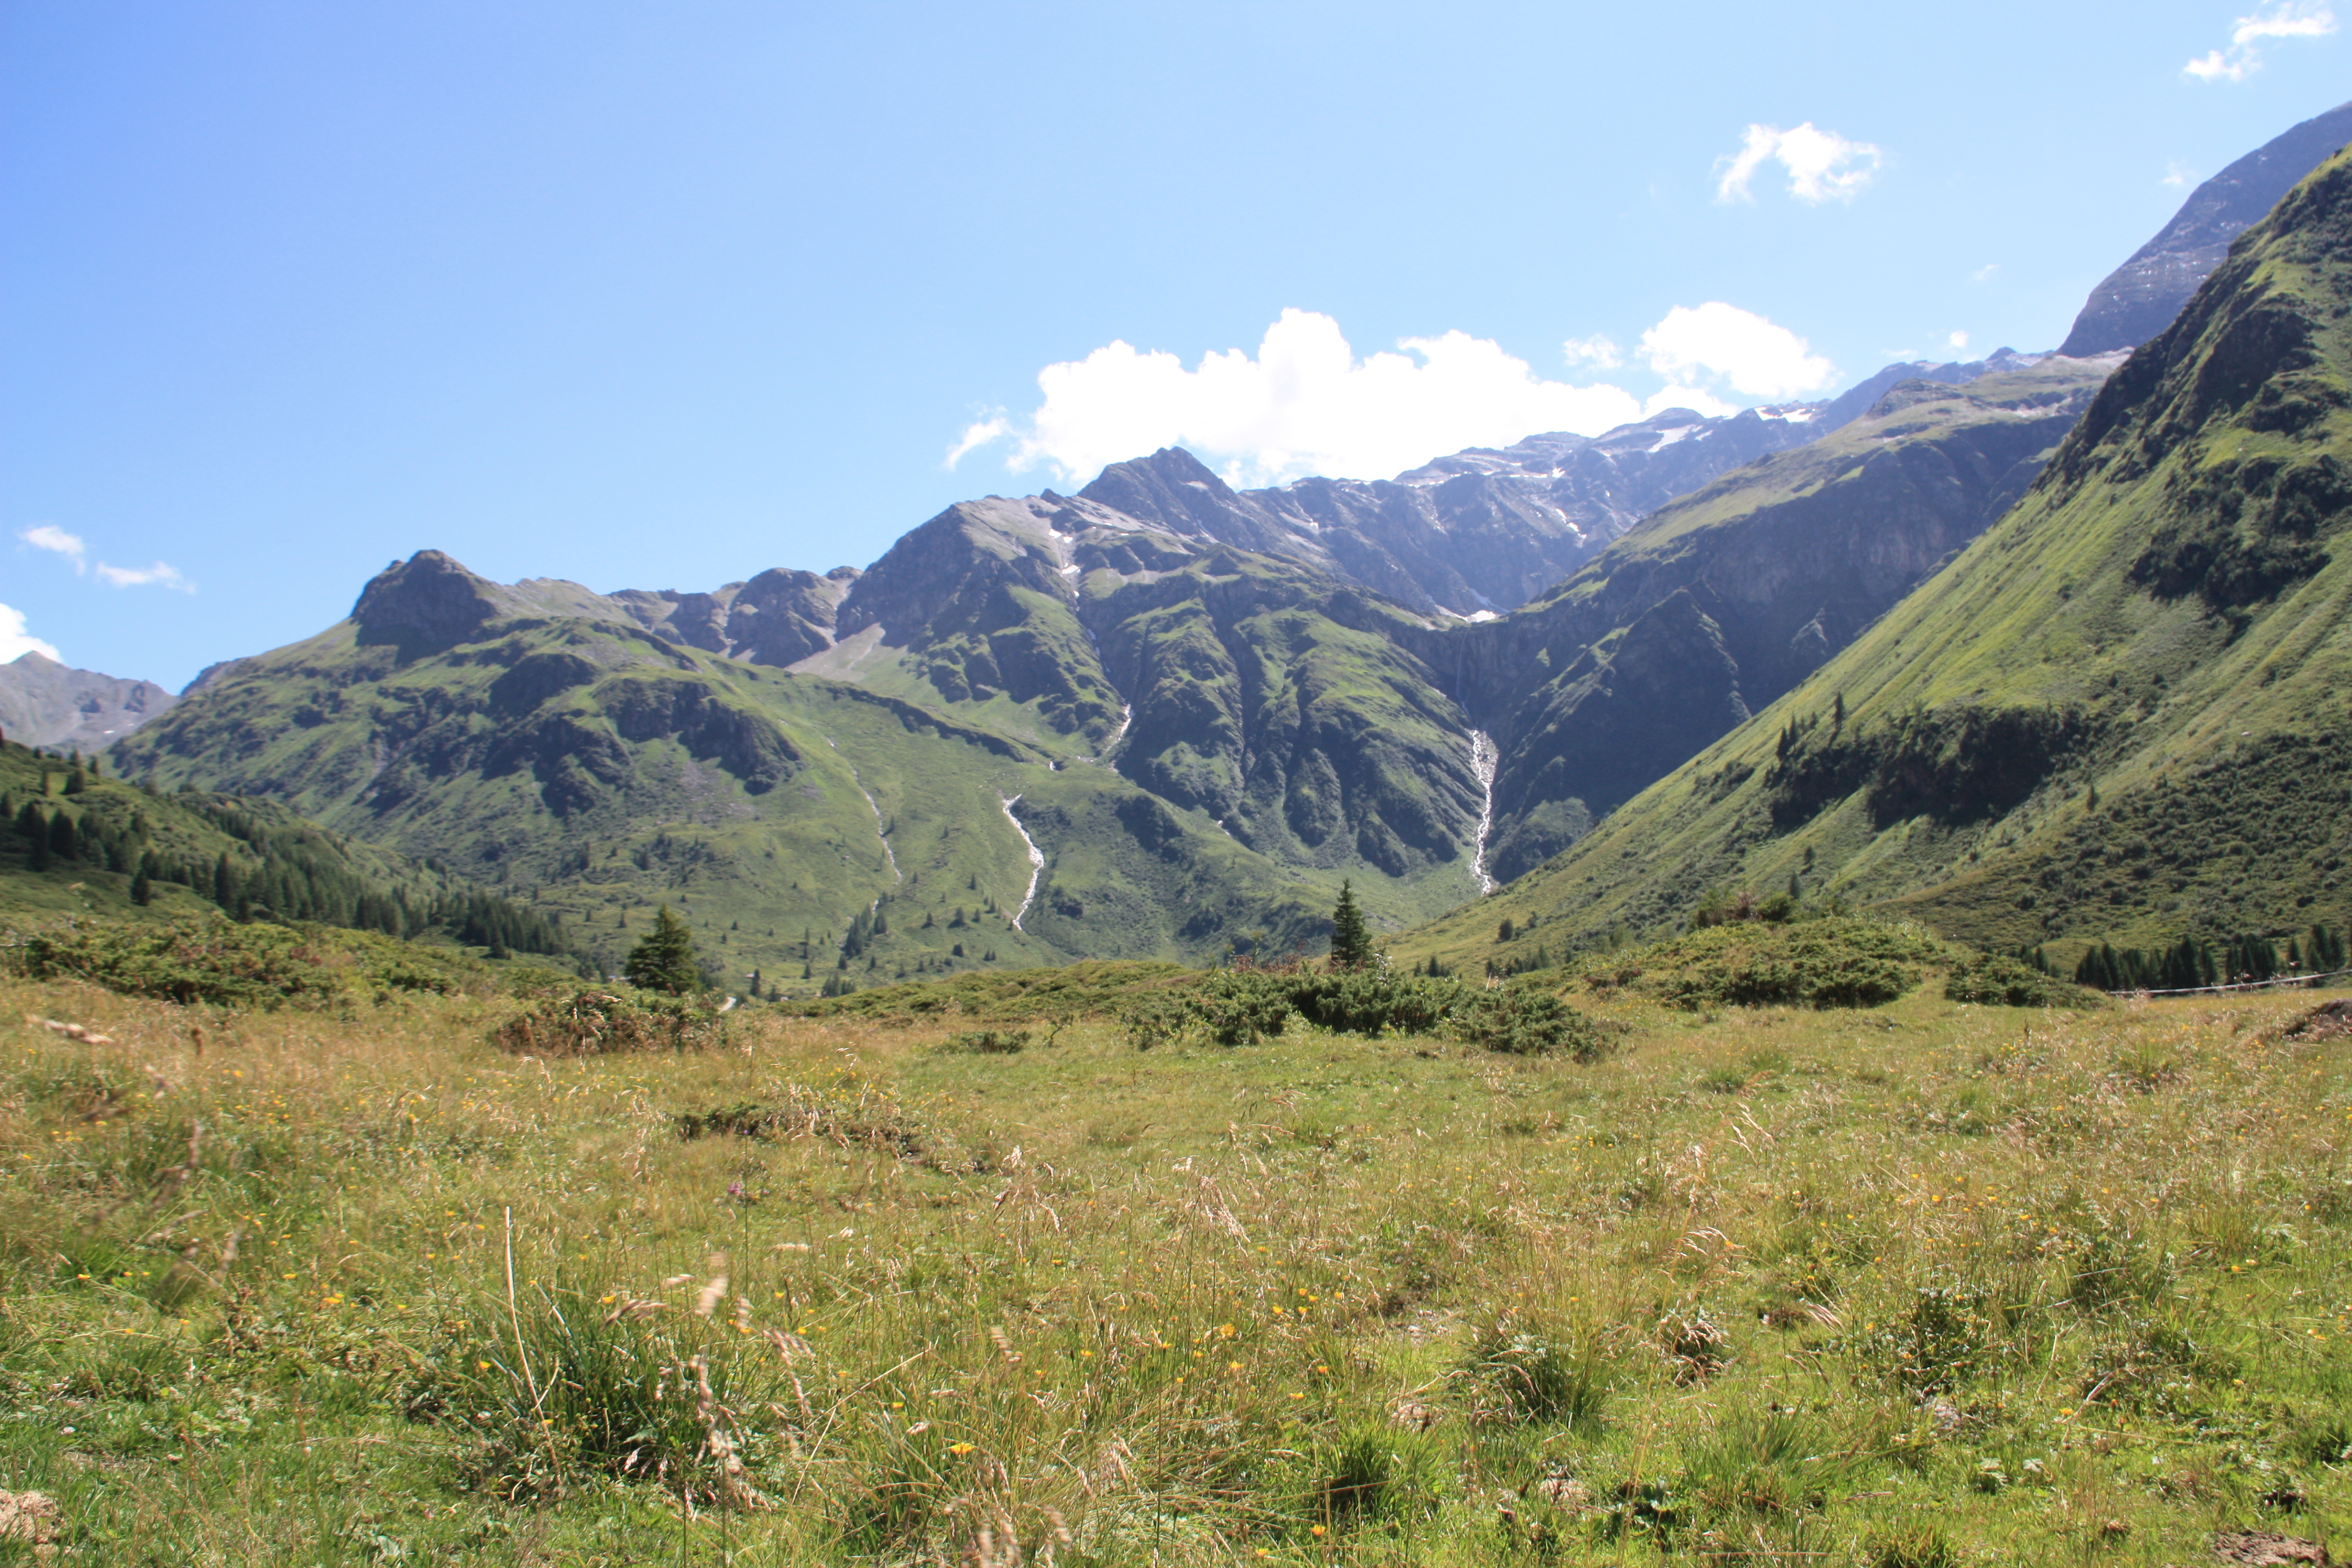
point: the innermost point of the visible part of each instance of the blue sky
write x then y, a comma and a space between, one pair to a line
659, 296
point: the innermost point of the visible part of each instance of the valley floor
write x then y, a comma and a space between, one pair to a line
1911, 1287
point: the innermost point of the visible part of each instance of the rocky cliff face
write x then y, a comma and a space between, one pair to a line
2140, 298
45, 703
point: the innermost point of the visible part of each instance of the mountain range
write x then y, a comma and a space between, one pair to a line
2125, 711
1164, 717
45, 703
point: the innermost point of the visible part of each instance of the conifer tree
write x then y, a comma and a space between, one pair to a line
1351, 939
663, 961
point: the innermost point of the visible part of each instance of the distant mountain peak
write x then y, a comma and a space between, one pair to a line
45, 703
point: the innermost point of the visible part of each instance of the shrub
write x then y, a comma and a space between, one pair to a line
986, 1043
602, 1022
1835, 962
258, 966
1999, 982
1526, 1023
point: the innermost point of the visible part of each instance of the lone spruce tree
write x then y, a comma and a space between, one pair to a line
1351, 939
663, 961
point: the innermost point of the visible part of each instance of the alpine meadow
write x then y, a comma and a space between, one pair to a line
1767, 984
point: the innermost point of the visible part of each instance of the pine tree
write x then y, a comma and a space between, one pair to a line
142, 888
663, 961
1351, 939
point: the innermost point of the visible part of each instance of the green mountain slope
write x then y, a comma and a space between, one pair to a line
2125, 712
797, 822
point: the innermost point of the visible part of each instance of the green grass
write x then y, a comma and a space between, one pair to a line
1925, 1282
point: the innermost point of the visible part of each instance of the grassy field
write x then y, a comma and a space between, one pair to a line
1916, 1286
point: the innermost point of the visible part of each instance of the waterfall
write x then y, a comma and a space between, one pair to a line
1482, 758
1037, 859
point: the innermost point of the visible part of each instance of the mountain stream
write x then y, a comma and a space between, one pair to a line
879, 831
1037, 859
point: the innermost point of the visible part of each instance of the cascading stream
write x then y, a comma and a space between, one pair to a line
1037, 859
1483, 760
879, 832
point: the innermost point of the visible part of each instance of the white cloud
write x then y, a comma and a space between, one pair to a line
1984, 273
976, 435
139, 576
1821, 165
1303, 404
2178, 174
15, 641
1596, 351
48, 536
1739, 346
1959, 340
2279, 19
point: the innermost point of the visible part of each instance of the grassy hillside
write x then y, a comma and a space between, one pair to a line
1921, 1285
2122, 714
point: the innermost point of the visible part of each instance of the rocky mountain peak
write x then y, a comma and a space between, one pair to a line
428, 600
2139, 299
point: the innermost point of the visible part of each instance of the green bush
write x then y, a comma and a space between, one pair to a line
1836, 962
602, 1022
986, 1043
259, 964
1527, 1024
1999, 982
1243, 1006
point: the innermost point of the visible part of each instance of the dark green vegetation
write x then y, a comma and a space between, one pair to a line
663, 961
75, 841
2123, 715
259, 964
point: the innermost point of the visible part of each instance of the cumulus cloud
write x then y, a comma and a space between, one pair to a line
15, 641
1959, 340
1821, 165
1303, 404
2279, 19
2178, 174
48, 536
1741, 348
158, 574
